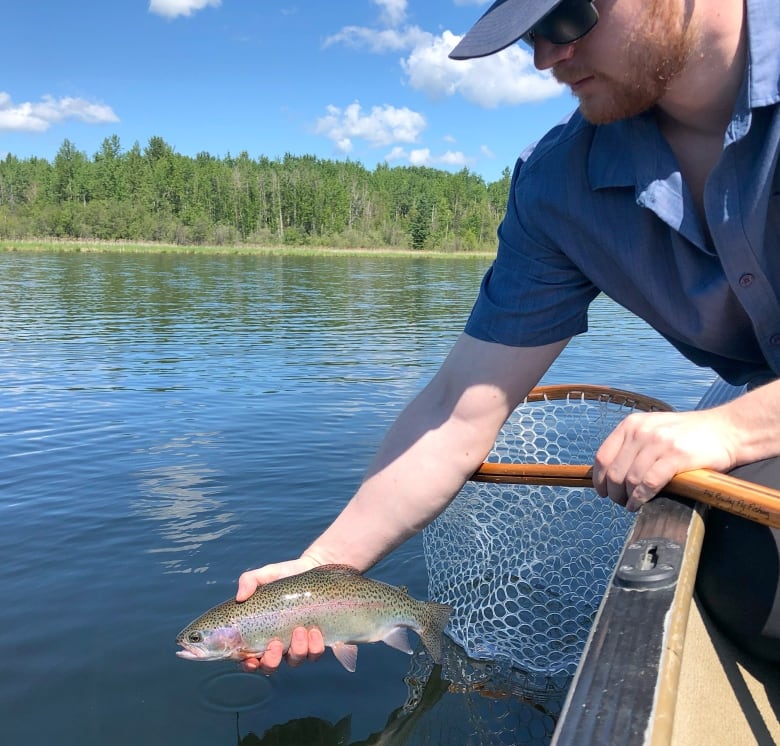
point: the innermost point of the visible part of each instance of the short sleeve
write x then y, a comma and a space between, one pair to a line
533, 294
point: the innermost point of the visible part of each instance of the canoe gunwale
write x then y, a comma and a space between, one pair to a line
625, 687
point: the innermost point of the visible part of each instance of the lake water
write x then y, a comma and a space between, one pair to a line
169, 420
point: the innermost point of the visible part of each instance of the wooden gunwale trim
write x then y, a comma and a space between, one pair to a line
625, 688
668, 687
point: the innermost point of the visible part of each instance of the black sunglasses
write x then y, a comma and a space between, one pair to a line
566, 23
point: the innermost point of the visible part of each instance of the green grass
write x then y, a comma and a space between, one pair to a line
88, 246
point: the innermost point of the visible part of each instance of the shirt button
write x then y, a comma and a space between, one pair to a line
774, 340
746, 280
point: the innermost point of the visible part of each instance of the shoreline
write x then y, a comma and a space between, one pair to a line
139, 247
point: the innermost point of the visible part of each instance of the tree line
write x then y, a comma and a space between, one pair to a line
156, 194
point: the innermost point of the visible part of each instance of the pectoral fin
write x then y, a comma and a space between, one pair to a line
346, 655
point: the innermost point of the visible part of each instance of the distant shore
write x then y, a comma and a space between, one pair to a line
131, 247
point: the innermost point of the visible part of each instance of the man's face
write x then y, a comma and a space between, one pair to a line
625, 65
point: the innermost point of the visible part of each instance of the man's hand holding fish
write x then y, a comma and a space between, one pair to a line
304, 644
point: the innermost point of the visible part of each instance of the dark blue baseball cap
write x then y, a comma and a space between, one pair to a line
507, 21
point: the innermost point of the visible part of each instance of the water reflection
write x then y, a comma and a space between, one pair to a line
307, 730
184, 499
436, 711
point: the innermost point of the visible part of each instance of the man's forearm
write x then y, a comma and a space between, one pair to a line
435, 445
754, 421
415, 474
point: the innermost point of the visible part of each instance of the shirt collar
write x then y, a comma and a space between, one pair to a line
763, 29
633, 153
622, 153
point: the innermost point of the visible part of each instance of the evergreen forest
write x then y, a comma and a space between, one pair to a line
153, 194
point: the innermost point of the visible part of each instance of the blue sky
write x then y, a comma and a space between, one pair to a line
365, 79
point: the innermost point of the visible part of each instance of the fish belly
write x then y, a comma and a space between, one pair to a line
345, 627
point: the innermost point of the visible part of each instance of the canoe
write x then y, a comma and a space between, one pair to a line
655, 669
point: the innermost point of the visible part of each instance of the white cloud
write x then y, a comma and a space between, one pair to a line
508, 77
397, 154
393, 36
174, 8
424, 157
379, 41
453, 158
393, 11
39, 116
420, 157
383, 125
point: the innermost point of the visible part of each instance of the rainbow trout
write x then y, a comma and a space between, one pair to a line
346, 606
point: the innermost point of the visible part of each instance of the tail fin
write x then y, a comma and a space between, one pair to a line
434, 619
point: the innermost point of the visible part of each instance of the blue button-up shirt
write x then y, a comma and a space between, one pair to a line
604, 208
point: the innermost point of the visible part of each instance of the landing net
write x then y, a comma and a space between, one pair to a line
525, 566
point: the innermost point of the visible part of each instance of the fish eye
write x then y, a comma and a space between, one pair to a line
194, 637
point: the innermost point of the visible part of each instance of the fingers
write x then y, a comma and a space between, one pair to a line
642, 455
608, 483
634, 476
250, 580
270, 661
647, 482
247, 585
304, 645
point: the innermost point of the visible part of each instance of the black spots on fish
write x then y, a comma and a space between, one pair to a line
434, 618
347, 606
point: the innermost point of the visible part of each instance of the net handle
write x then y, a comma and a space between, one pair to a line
745, 499
733, 495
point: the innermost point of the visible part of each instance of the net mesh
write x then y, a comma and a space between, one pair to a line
525, 566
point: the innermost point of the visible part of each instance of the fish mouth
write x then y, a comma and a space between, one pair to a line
191, 654
194, 653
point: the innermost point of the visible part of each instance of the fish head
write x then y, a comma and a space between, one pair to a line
210, 644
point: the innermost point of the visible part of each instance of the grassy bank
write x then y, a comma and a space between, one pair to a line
75, 246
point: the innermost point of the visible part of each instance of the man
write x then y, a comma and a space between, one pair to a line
662, 191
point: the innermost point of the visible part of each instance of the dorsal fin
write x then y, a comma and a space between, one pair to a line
343, 569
